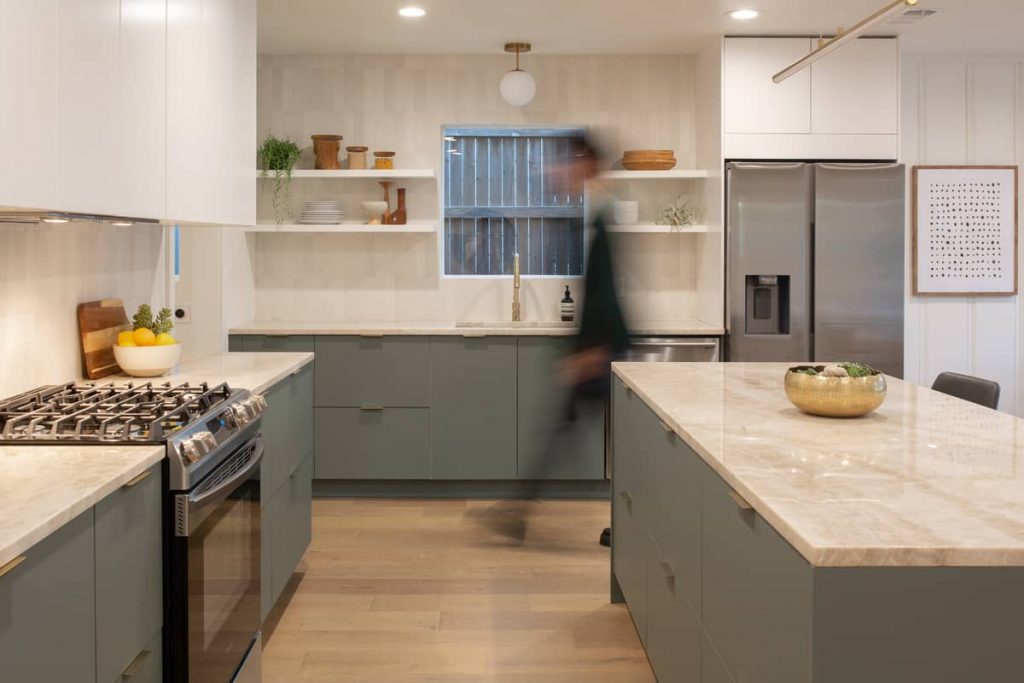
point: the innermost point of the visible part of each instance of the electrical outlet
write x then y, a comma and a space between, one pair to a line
183, 314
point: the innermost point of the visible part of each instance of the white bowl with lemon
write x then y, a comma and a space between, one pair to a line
149, 350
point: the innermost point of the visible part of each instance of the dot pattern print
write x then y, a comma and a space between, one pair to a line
964, 226
965, 230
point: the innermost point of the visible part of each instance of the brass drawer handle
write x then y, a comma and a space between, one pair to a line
372, 335
740, 501
626, 497
9, 567
371, 408
667, 569
136, 479
135, 665
667, 428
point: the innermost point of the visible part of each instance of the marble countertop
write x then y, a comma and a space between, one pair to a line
926, 480
256, 372
42, 488
465, 329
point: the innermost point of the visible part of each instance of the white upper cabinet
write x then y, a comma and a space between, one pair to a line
855, 89
752, 102
28, 117
211, 112
142, 108
843, 106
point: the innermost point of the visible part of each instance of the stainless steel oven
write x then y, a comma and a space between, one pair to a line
214, 570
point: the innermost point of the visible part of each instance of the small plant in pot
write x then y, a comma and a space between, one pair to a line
278, 157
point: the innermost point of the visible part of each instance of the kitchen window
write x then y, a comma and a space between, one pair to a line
500, 197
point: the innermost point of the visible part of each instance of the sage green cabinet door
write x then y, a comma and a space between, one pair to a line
129, 573
287, 429
274, 342
551, 446
712, 670
267, 597
390, 443
674, 497
757, 592
291, 525
673, 632
473, 408
354, 372
48, 609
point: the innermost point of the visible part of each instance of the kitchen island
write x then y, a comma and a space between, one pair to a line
752, 542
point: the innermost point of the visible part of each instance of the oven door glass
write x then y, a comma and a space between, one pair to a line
223, 567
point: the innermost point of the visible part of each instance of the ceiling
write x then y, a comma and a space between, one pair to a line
322, 27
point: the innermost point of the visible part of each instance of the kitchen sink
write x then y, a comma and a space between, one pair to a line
524, 324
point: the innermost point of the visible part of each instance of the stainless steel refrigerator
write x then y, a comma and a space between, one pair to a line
816, 261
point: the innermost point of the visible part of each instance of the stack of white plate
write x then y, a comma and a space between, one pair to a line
321, 212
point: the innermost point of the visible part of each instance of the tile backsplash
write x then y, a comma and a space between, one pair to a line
46, 271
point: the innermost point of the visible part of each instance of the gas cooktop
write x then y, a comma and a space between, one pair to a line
108, 413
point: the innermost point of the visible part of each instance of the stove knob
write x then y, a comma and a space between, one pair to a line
207, 440
241, 413
190, 450
255, 404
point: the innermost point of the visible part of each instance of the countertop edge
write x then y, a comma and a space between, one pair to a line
274, 379
443, 330
834, 556
89, 499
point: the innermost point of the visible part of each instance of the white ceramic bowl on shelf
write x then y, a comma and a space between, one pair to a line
147, 361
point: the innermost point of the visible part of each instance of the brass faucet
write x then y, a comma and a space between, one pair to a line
517, 313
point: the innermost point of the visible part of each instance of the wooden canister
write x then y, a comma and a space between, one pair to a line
325, 149
384, 160
356, 157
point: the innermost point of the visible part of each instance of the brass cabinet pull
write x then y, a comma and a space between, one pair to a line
740, 501
371, 408
626, 497
667, 568
371, 335
664, 425
9, 567
136, 479
135, 665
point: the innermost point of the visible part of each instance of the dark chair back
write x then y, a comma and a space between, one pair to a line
984, 392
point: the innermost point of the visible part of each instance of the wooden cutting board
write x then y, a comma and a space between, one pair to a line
98, 323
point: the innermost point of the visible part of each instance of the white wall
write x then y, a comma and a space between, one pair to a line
46, 271
964, 112
401, 103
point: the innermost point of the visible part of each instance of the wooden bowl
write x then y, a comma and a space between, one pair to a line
835, 396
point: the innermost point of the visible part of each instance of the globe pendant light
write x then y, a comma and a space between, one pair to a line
517, 87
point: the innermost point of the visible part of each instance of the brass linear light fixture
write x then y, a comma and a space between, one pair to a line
842, 37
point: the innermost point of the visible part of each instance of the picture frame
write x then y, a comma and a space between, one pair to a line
965, 230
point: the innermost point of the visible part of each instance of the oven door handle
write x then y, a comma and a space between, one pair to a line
193, 508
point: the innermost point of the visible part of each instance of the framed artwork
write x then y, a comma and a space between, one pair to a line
965, 230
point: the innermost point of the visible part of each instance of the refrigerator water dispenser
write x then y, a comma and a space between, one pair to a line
767, 304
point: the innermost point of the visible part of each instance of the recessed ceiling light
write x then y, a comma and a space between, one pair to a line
412, 12
744, 14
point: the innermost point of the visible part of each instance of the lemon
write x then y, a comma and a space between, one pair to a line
144, 337
126, 338
165, 339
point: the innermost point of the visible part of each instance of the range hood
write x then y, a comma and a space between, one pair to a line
32, 217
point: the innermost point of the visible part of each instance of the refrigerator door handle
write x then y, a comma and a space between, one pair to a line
755, 164
858, 167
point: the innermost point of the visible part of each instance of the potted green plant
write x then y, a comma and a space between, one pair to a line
278, 156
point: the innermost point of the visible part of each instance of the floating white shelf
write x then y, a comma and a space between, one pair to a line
653, 228
349, 228
656, 175
359, 174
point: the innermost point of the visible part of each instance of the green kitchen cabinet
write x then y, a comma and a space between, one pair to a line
147, 666
361, 372
757, 591
473, 408
271, 342
549, 446
290, 515
712, 669
378, 443
287, 428
48, 609
672, 629
129, 572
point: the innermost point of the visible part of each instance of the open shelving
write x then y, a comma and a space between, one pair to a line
359, 174
654, 228
346, 228
674, 174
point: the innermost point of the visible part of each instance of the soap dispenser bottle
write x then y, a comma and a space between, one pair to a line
568, 307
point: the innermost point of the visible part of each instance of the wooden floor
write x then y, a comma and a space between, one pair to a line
401, 591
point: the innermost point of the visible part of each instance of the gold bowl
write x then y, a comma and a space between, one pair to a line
835, 396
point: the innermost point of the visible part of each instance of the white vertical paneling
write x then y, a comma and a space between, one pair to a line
964, 112
910, 141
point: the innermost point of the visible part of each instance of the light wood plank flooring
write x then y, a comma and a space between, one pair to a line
414, 591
